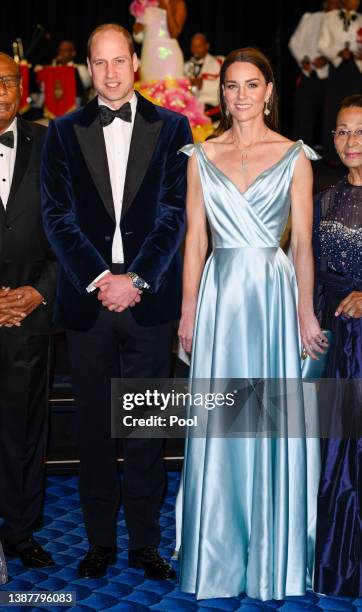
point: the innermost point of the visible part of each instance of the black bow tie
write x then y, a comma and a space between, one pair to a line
7, 139
107, 114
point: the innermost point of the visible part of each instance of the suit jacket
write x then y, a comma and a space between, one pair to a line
210, 74
25, 254
79, 216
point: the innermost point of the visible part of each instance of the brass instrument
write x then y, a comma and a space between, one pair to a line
18, 51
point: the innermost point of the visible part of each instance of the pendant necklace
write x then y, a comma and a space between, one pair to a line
244, 151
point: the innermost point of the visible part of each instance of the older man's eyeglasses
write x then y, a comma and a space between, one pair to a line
344, 134
9, 81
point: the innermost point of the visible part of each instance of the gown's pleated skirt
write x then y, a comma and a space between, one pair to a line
245, 515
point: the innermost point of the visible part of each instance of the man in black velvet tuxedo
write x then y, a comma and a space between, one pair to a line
113, 205
27, 281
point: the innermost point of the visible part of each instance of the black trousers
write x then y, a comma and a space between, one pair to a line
23, 432
117, 346
308, 107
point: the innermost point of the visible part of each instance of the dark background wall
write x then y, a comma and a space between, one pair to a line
228, 23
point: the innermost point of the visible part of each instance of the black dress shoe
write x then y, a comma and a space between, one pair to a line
148, 559
30, 553
96, 561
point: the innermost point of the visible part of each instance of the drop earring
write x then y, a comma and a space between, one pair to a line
266, 108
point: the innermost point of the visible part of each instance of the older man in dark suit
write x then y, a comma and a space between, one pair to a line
113, 201
27, 281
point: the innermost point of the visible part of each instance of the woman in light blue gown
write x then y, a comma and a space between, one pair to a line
248, 512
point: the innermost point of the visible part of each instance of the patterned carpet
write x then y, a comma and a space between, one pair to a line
126, 589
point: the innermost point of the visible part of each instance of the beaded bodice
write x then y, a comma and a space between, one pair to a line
340, 229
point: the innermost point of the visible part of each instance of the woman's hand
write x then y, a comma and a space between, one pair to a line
313, 339
186, 329
351, 306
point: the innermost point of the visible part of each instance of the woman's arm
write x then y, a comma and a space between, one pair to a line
301, 243
176, 15
195, 252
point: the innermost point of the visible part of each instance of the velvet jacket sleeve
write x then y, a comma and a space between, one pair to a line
78, 257
163, 241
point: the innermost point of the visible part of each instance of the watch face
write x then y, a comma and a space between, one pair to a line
139, 283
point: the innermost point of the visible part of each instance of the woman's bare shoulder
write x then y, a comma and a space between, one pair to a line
280, 142
215, 145
277, 138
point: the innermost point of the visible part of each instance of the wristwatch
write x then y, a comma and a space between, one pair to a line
137, 281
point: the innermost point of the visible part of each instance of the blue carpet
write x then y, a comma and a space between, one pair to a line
126, 589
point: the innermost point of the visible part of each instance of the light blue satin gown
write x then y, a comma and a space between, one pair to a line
249, 504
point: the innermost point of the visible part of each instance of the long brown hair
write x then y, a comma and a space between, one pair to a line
258, 59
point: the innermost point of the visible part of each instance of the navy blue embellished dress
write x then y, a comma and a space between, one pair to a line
338, 253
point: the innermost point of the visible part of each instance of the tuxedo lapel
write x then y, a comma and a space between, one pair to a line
91, 141
23, 152
145, 133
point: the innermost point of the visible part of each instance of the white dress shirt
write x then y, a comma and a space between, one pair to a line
117, 136
210, 71
305, 40
7, 163
333, 37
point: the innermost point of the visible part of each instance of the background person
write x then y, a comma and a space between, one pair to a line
309, 94
338, 42
66, 54
203, 70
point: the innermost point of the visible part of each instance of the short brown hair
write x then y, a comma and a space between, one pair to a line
116, 28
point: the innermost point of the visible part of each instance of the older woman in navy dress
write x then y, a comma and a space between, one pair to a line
338, 249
